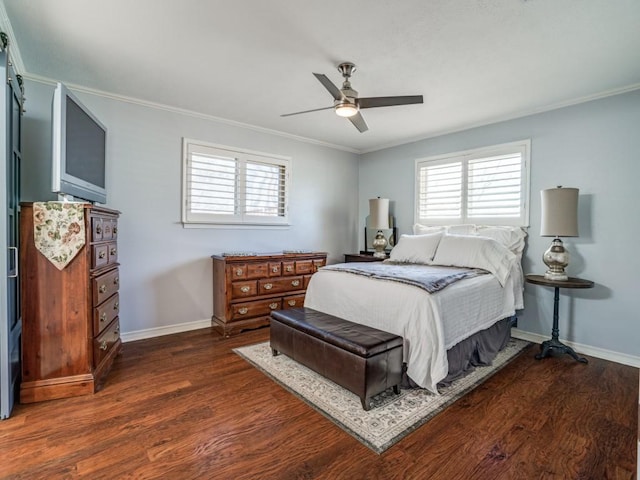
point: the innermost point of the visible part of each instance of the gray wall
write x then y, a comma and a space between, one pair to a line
166, 274
593, 146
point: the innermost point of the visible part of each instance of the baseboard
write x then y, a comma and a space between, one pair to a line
166, 330
623, 358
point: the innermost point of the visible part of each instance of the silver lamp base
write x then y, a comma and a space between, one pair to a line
379, 244
556, 258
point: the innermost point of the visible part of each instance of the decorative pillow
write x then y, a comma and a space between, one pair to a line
475, 252
464, 229
415, 248
419, 229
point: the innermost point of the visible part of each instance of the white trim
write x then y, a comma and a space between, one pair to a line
166, 330
14, 51
610, 355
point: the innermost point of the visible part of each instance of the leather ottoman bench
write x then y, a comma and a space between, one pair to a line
362, 359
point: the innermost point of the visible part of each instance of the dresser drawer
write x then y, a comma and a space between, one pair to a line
240, 311
275, 269
97, 229
293, 301
104, 342
99, 255
289, 268
104, 314
105, 285
247, 288
304, 266
277, 285
112, 251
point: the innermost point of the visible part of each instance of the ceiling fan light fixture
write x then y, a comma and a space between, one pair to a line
346, 109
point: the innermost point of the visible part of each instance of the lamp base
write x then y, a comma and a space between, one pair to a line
379, 244
556, 258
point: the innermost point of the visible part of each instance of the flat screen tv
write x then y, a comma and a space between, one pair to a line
79, 149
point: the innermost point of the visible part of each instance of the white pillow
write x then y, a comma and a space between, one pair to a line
464, 229
415, 248
419, 229
510, 237
475, 252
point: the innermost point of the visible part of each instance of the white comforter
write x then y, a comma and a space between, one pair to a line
429, 323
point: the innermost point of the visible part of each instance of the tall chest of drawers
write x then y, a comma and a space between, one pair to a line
71, 329
246, 288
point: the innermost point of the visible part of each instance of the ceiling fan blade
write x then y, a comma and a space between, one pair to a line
359, 122
372, 102
306, 111
328, 84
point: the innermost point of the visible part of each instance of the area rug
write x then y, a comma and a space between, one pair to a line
391, 417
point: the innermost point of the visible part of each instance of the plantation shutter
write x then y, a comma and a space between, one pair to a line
494, 187
233, 187
440, 190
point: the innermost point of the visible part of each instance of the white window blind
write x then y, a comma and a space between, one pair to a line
487, 186
226, 186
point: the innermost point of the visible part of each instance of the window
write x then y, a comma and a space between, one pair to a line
487, 186
222, 185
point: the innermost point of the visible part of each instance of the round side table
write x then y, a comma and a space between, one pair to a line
554, 345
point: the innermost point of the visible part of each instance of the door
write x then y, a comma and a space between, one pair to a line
10, 148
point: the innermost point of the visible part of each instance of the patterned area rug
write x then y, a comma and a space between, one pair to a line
391, 416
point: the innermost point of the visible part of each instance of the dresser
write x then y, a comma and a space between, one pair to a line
246, 288
71, 330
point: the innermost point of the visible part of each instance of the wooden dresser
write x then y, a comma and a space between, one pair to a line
71, 330
246, 288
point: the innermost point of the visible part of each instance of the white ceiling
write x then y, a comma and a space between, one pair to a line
249, 61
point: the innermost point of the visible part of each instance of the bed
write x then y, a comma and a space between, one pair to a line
447, 331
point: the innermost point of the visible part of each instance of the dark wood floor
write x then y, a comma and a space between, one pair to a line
186, 407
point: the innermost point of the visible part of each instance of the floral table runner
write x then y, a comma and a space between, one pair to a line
59, 230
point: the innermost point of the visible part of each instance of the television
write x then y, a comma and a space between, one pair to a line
79, 149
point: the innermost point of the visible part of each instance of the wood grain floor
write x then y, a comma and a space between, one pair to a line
185, 406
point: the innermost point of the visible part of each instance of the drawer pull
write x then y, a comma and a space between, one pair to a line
116, 280
113, 251
289, 268
268, 286
116, 305
273, 306
274, 269
238, 272
245, 288
103, 345
243, 311
98, 229
103, 317
101, 254
292, 303
116, 333
295, 283
102, 289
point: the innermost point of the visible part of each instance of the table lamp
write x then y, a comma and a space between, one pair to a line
559, 219
379, 219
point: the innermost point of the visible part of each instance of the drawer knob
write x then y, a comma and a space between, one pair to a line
268, 286
295, 283
102, 289
115, 230
116, 305
101, 254
238, 272
113, 251
98, 229
245, 288
292, 303
273, 306
116, 281
274, 269
289, 268
103, 317
103, 345
243, 311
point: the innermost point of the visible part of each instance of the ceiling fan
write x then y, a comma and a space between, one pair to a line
347, 103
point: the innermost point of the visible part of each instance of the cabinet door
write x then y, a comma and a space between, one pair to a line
10, 321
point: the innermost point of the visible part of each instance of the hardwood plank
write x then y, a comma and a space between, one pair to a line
185, 406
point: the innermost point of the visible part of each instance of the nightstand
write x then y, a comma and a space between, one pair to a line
361, 257
554, 345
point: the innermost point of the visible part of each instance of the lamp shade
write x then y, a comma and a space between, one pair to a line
379, 213
559, 212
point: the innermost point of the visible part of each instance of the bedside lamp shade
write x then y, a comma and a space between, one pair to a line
559, 212
559, 219
379, 220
